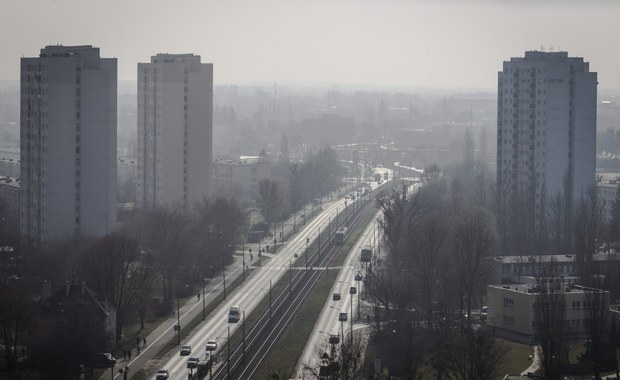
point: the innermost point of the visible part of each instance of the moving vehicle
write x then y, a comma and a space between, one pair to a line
358, 276
336, 297
192, 362
366, 254
211, 345
162, 374
186, 349
340, 236
233, 314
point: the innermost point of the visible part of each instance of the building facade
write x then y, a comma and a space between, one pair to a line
546, 129
9, 208
512, 309
175, 129
68, 143
240, 177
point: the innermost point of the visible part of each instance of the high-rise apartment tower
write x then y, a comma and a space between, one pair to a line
546, 131
175, 129
68, 143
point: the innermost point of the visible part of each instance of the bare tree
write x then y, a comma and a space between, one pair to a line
549, 317
338, 361
477, 355
598, 352
272, 199
15, 314
112, 266
474, 241
164, 232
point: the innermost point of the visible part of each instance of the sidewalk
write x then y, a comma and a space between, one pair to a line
535, 366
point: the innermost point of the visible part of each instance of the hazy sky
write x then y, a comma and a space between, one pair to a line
440, 43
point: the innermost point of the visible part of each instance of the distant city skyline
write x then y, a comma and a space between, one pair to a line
421, 44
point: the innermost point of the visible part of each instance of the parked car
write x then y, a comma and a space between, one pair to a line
358, 277
104, 360
233, 314
192, 362
186, 349
336, 297
162, 374
211, 345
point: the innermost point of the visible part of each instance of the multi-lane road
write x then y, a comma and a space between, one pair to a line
328, 323
256, 287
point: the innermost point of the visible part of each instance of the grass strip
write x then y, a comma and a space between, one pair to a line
285, 354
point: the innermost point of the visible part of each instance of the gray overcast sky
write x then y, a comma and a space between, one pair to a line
440, 43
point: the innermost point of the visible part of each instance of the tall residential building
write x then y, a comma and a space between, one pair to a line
546, 131
68, 143
175, 129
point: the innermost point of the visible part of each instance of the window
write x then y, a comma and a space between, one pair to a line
509, 321
576, 305
509, 303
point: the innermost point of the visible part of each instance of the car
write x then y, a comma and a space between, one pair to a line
192, 362
186, 349
211, 345
353, 290
162, 374
358, 277
342, 317
233, 314
334, 339
336, 296
104, 360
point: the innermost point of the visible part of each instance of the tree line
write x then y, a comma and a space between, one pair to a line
159, 253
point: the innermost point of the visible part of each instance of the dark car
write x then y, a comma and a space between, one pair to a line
336, 296
192, 362
358, 277
104, 360
186, 350
162, 374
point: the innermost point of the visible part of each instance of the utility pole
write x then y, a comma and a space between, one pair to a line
178, 320
243, 339
270, 301
204, 316
243, 263
307, 241
290, 278
228, 349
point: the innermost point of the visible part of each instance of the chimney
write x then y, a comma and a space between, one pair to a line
67, 288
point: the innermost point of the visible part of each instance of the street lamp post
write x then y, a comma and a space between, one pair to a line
358, 300
224, 276
270, 301
228, 349
243, 263
178, 320
204, 315
290, 277
352, 292
243, 338
307, 241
